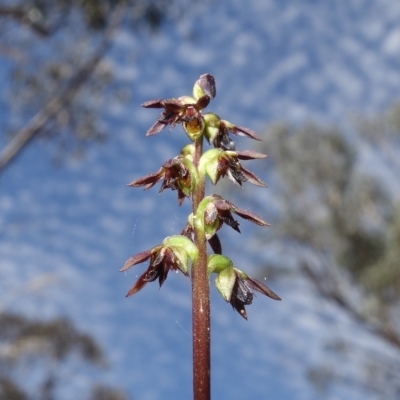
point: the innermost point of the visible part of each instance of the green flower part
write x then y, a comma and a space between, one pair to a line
225, 282
194, 127
214, 211
183, 243
217, 263
217, 132
219, 211
218, 163
213, 241
188, 151
234, 285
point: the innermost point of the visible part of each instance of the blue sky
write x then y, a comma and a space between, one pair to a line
71, 228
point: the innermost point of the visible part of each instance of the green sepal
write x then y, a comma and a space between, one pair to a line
212, 126
209, 164
197, 91
241, 274
217, 263
190, 220
199, 217
188, 151
182, 255
182, 243
207, 216
193, 172
225, 282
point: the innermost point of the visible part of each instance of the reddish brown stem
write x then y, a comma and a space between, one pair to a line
200, 300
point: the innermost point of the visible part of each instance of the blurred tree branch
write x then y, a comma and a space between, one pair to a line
55, 105
23, 15
338, 215
328, 288
56, 342
63, 99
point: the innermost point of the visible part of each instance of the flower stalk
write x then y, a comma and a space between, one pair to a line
186, 173
201, 329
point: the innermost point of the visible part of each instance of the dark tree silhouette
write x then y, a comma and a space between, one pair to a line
339, 216
57, 87
31, 347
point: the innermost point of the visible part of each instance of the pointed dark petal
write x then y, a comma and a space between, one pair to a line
157, 103
157, 127
140, 283
167, 117
169, 163
221, 203
152, 273
239, 307
260, 287
235, 171
147, 180
136, 259
207, 83
202, 102
249, 155
159, 256
227, 218
149, 275
168, 183
235, 177
227, 143
163, 273
242, 292
181, 197
241, 131
215, 244
252, 178
173, 106
250, 216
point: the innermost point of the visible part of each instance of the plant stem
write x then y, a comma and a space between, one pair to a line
200, 298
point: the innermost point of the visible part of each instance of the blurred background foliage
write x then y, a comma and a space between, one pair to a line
338, 214
60, 79
38, 358
58, 85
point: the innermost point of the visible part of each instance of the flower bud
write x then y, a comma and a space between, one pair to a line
205, 85
182, 243
217, 263
188, 151
212, 127
209, 164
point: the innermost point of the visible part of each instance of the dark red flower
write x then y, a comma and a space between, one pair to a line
228, 164
217, 132
220, 211
242, 294
183, 109
175, 176
162, 260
